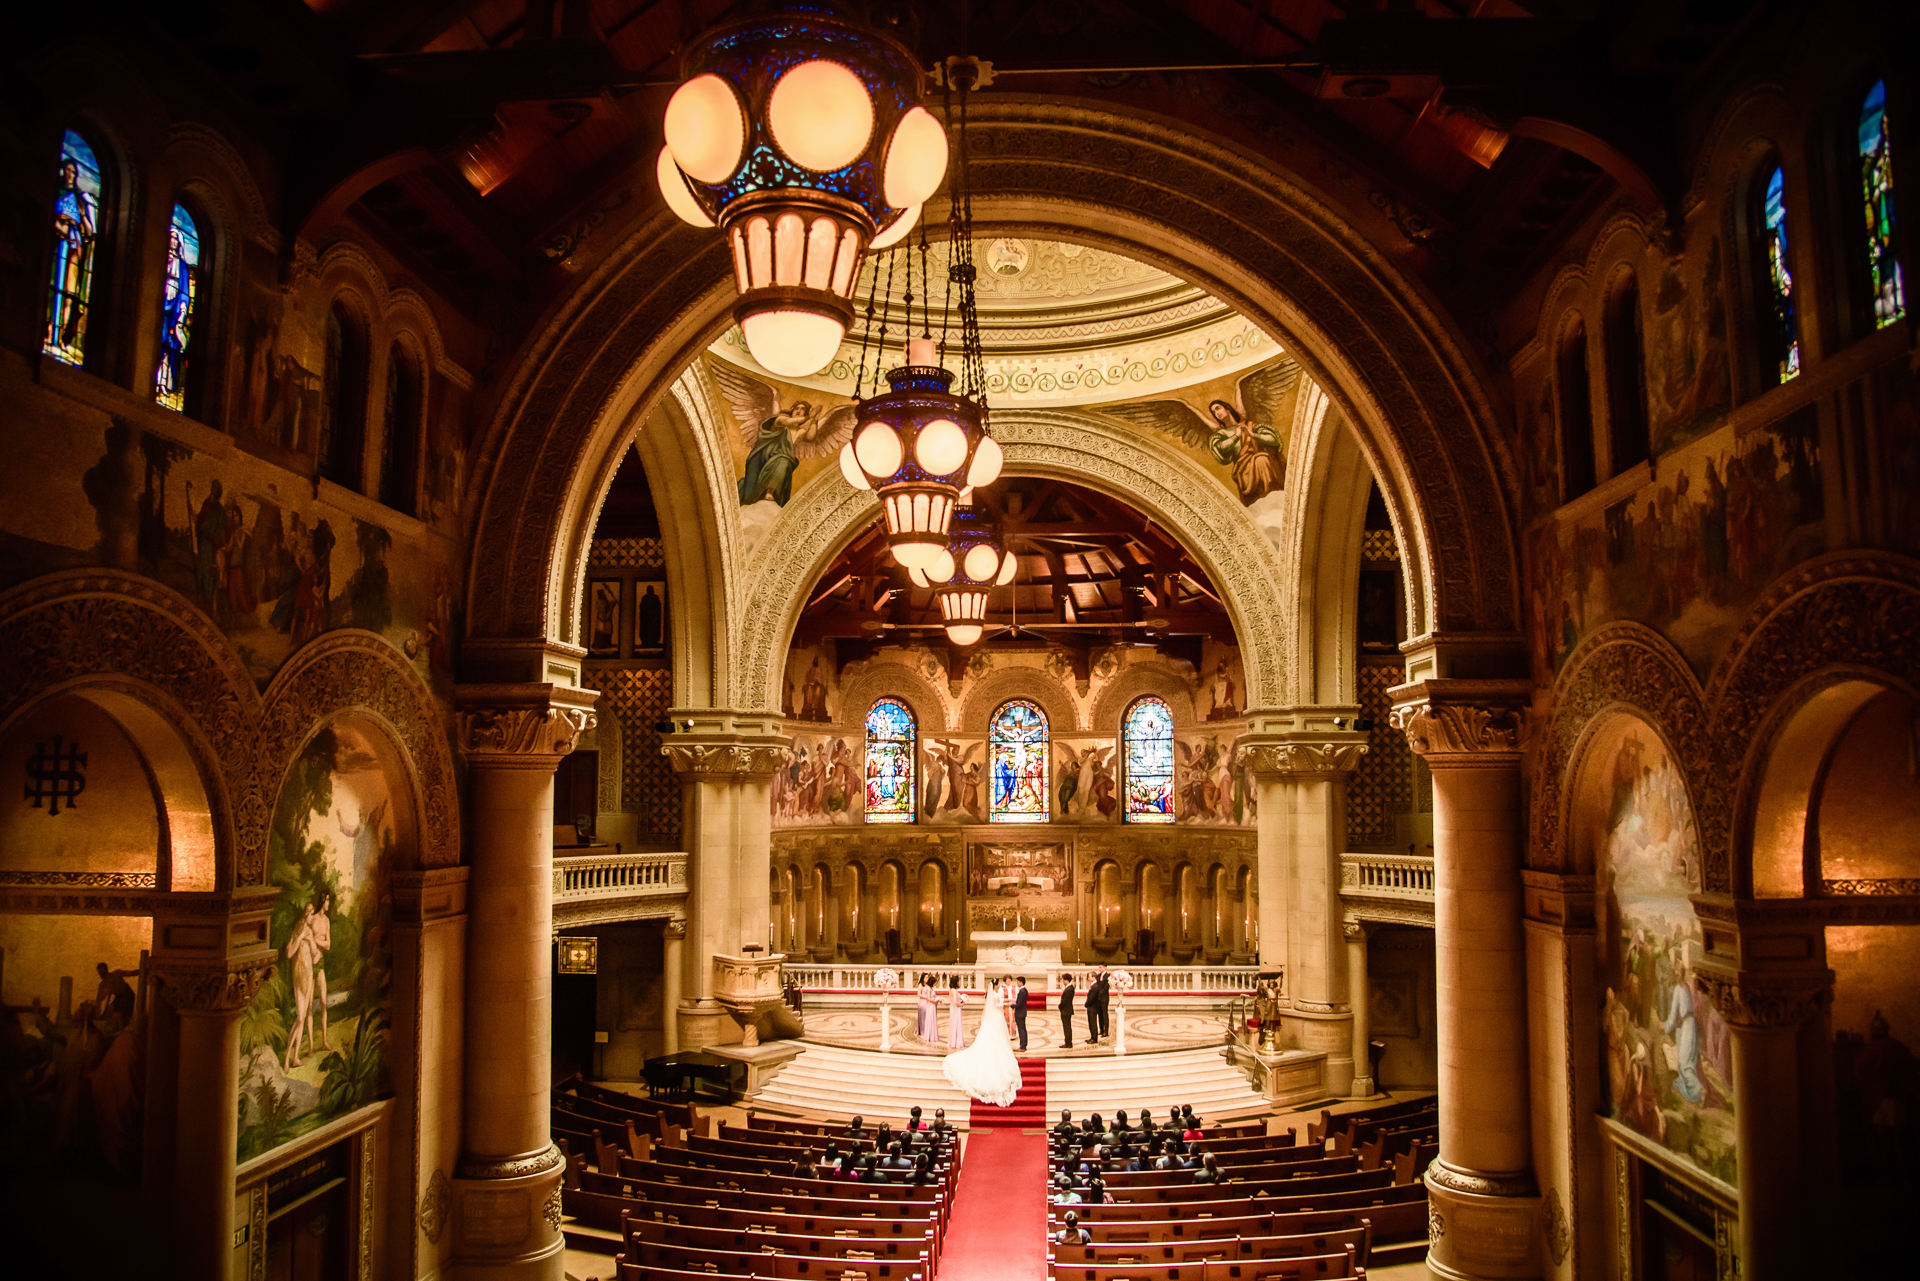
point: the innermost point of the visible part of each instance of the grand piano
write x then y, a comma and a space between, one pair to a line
695, 1074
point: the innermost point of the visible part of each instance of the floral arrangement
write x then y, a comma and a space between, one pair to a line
1122, 979
886, 978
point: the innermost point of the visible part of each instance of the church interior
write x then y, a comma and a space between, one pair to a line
595, 594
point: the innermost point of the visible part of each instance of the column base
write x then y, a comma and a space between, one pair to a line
705, 1023
1363, 1088
506, 1220
1481, 1227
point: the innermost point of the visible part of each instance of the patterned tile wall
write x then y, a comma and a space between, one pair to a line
1383, 785
639, 697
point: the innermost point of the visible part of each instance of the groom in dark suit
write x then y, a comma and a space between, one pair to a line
1097, 1007
1020, 1011
1066, 1009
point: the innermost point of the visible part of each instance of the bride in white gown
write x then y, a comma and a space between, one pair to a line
987, 1069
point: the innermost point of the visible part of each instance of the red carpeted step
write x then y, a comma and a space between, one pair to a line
1029, 1107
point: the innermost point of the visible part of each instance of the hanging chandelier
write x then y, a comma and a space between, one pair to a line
919, 445
801, 136
965, 571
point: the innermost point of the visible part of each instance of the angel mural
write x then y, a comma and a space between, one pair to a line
1244, 438
1086, 781
777, 439
953, 778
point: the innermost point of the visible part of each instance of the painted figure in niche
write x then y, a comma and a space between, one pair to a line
603, 631
1200, 763
306, 950
777, 439
1080, 772
1226, 702
76, 228
813, 695
110, 488
1689, 380
650, 620
1245, 438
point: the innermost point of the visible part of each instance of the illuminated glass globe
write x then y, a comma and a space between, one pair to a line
801, 136
965, 571
917, 447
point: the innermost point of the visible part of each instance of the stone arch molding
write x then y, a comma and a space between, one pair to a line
1209, 522
893, 680
103, 628
1154, 188
998, 687
1144, 678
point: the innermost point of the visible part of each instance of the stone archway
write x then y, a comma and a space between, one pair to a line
1144, 186
1209, 522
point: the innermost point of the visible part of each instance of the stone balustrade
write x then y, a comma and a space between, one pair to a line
1147, 979
600, 888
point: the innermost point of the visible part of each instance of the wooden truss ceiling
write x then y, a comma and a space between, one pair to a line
1093, 572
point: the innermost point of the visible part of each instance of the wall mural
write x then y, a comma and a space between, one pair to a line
1208, 788
313, 1044
1666, 1051
272, 567
1238, 428
1084, 784
1689, 553
819, 782
1689, 384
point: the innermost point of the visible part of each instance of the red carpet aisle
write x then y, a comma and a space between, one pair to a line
999, 1226
1029, 1108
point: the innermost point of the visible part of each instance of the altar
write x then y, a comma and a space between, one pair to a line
1030, 952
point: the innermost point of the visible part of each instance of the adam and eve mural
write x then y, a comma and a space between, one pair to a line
313, 1044
1667, 1055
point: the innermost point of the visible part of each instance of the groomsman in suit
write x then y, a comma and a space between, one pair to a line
1097, 1007
1066, 1009
1020, 1011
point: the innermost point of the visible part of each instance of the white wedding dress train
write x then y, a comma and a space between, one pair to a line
987, 1069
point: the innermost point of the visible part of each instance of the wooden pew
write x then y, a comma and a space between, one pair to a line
720, 1227
1323, 1129
897, 1249
750, 1263
1113, 1253
1311, 1185
1306, 1268
1218, 1201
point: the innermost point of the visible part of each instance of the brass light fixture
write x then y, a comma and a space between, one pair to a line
801, 136
919, 445
971, 565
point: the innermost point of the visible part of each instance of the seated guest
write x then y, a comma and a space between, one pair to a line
1209, 1171
922, 1171
1173, 1161
1175, 1144
850, 1165
940, 1125
1143, 1160
1097, 1194
913, 1119
1063, 1192
896, 1160
1188, 1121
1192, 1134
1094, 1125
1066, 1127
802, 1168
1146, 1122
1072, 1233
882, 1137
870, 1172
1123, 1150
855, 1130
831, 1157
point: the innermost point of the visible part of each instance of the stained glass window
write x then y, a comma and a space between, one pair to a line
1018, 751
76, 231
178, 295
890, 743
1146, 739
1779, 278
1876, 189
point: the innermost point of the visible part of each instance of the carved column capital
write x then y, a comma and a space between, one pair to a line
531, 724
213, 987
1747, 999
1354, 931
676, 929
1295, 758
723, 760
1451, 719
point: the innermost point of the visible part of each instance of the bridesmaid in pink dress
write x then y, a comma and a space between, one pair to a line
954, 1001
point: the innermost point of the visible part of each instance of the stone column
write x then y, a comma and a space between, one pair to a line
729, 841
506, 1186
1302, 829
209, 998
673, 964
1359, 992
1765, 1013
1483, 1196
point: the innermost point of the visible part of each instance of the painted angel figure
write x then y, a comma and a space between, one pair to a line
777, 439
1079, 773
1244, 437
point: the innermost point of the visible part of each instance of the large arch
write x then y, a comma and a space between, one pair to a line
1176, 493
1137, 184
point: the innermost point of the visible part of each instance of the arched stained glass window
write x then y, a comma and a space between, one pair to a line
178, 295
1017, 752
1876, 190
1777, 278
76, 233
1146, 748
890, 745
